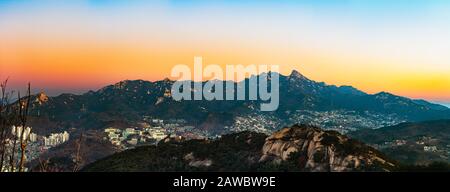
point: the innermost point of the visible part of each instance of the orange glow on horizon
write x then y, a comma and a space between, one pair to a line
98, 66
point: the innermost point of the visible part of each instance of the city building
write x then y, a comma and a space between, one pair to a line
56, 139
18, 131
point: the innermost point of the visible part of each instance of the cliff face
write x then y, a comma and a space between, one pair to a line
313, 149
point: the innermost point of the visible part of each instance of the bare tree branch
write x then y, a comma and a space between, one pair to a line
23, 121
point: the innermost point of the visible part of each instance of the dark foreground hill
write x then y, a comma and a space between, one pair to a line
412, 143
297, 148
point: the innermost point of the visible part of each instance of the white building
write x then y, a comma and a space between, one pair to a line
56, 139
111, 130
430, 148
130, 131
33, 137
158, 134
18, 130
157, 121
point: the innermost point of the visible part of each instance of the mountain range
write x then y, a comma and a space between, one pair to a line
126, 102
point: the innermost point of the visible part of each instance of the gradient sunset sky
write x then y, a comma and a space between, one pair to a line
402, 46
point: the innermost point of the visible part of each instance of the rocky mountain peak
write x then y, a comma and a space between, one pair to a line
42, 98
297, 75
167, 80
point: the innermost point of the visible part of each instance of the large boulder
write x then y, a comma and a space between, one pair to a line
313, 149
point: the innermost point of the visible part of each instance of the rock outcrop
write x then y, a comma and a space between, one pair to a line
41, 98
194, 162
313, 149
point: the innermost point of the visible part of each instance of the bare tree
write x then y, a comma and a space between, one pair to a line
3, 122
77, 157
12, 162
43, 165
13, 115
23, 114
6, 121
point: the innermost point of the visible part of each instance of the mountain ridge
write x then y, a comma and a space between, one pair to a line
293, 74
129, 100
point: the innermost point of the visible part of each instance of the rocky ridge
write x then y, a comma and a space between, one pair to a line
319, 150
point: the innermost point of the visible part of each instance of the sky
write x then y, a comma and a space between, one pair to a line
74, 46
